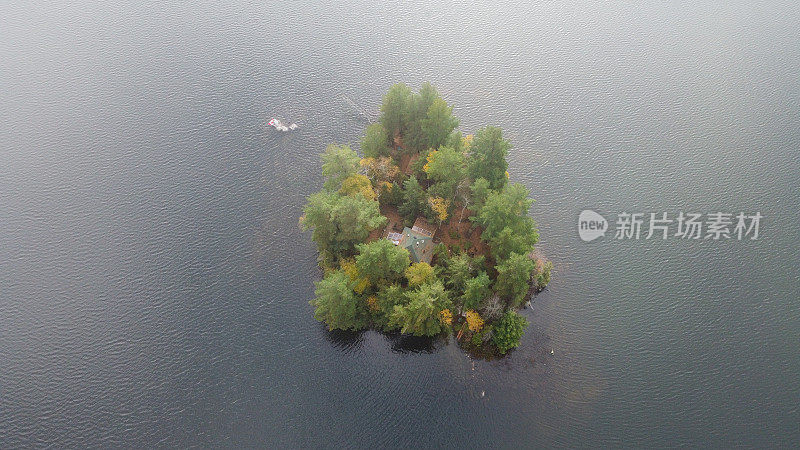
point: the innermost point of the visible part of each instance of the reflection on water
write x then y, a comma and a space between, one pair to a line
414, 344
345, 340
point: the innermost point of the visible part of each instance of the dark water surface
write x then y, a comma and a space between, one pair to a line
154, 284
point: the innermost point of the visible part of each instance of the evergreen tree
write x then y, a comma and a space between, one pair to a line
513, 278
421, 316
337, 305
487, 154
508, 331
381, 261
338, 163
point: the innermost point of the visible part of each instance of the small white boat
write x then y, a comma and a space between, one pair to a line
278, 125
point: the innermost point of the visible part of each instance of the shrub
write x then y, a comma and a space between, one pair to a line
543, 277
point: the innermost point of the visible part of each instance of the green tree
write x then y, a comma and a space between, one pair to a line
393, 196
337, 305
506, 225
338, 163
419, 273
447, 167
438, 123
394, 109
460, 268
339, 222
376, 142
510, 241
381, 261
415, 199
455, 140
480, 192
488, 153
513, 276
388, 297
421, 315
355, 217
476, 290
508, 331
415, 137
317, 216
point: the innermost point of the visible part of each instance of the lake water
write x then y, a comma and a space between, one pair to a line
154, 284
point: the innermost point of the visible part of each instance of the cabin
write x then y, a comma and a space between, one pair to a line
419, 246
418, 240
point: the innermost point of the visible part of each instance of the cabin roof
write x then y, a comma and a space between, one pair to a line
419, 246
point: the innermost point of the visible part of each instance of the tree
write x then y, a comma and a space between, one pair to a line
439, 206
421, 315
394, 109
414, 199
339, 222
338, 163
488, 152
381, 169
446, 317
358, 282
461, 268
506, 225
381, 261
419, 273
455, 141
337, 305
480, 192
388, 297
392, 194
476, 290
355, 217
509, 241
415, 137
358, 184
513, 276
474, 321
447, 167
438, 123
508, 331
376, 142
317, 216
463, 196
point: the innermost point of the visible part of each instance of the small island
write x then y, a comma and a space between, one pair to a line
425, 234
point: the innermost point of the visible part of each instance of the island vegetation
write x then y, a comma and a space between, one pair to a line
424, 234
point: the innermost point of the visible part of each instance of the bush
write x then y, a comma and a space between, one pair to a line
543, 277
508, 331
483, 336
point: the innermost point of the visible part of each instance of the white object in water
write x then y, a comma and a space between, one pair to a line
280, 126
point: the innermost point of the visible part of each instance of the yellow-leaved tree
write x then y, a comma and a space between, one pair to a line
439, 206
350, 269
446, 317
419, 273
358, 184
474, 321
